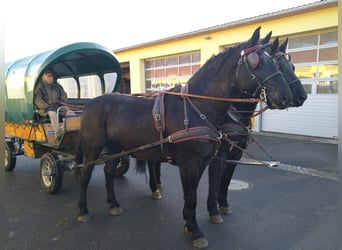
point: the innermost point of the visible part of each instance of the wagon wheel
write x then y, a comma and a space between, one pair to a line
10, 156
51, 174
122, 166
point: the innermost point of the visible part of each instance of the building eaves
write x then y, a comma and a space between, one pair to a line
277, 14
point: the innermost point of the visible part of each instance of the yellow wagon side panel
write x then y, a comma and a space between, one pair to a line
29, 149
30, 132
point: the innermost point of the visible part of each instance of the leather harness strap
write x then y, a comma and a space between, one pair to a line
158, 112
199, 132
184, 90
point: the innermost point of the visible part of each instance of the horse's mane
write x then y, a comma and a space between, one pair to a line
213, 65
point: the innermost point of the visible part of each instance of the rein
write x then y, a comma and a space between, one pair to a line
213, 98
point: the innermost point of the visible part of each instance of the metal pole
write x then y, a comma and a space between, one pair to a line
269, 164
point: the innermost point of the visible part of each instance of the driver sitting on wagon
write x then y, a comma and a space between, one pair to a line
48, 97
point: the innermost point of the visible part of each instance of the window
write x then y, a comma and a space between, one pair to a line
110, 81
327, 87
168, 72
316, 62
70, 86
302, 42
90, 86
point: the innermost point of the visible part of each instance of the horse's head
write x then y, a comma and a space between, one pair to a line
287, 68
257, 74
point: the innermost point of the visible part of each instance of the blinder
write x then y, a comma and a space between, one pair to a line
253, 60
251, 56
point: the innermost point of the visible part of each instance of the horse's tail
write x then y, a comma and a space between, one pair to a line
78, 157
140, 166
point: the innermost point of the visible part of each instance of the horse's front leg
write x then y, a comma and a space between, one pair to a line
190, 175
109, 171
85, 176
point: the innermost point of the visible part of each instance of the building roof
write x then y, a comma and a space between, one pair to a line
277, 14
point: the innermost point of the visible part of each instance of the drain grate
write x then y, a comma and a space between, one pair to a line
238, 185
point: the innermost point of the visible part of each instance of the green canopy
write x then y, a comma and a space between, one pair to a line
73, 60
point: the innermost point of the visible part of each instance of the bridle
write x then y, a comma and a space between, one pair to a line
277, 56
251, 60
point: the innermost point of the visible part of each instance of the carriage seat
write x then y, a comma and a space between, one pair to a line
46, 118
67, 122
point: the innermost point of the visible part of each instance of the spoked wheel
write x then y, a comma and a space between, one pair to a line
51, 174
122, 166
10, 156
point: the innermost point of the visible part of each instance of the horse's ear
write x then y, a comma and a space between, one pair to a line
266, 38
255, 37
275, 44
283, 46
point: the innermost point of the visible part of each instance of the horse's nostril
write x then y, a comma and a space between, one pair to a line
286, 101
303, 98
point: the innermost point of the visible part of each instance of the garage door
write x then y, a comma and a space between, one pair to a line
317, 117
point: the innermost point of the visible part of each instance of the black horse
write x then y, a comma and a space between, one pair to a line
237, 131
236, 127
121, 123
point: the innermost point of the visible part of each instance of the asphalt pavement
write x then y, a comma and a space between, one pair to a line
291, 207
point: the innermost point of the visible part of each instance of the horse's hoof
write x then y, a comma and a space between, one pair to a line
83, 218
200, 243
115, 210
216, 219
187, 232
156, 195
226, 210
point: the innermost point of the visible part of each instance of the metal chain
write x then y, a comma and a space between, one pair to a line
234, 144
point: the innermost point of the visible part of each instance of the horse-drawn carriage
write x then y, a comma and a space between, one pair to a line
85, 70
180, 126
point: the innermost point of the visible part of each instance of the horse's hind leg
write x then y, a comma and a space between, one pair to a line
85, 177
109, 171
223, 192
215, 172
154, 171
158, 174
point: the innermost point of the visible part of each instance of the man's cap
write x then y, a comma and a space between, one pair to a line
49, 72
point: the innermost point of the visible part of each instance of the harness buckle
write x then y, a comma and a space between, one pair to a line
169, 138
220, 135
157, 117
263, 95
